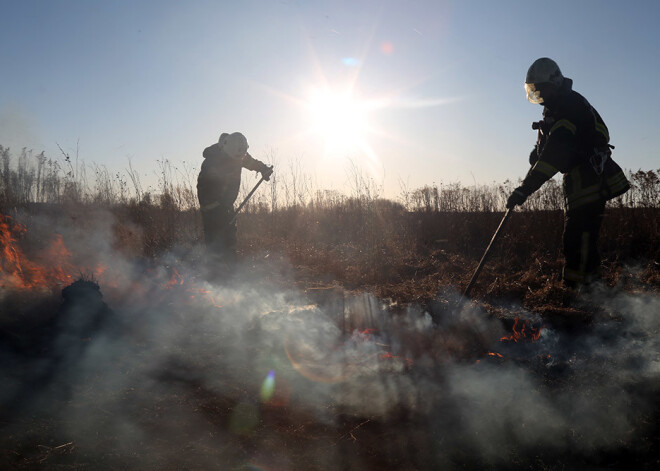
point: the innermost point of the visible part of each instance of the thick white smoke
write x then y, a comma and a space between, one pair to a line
184, 372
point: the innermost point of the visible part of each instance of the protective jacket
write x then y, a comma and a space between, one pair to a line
220, 177
574, 140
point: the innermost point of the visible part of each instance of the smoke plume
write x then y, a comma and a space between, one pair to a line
160, 367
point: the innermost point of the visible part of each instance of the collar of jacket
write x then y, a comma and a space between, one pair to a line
564, 90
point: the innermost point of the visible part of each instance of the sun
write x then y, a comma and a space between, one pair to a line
340, 119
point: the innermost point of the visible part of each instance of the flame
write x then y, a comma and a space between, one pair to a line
11, 266
52, 266
99, 271
208, 295
523, 333
391, 356
175, 279
19, 272
58, 256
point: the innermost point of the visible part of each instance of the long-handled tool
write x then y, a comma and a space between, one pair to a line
246, 200
485, 255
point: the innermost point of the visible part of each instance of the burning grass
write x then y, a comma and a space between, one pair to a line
252, 374
327, 348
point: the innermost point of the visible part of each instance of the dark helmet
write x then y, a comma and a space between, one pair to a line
235, 145
543, 72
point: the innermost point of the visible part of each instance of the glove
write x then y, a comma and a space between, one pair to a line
516, 198
534, 155
266, 172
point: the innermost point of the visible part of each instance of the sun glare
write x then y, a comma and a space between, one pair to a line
339, 119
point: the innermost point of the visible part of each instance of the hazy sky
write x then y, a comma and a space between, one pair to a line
413, 92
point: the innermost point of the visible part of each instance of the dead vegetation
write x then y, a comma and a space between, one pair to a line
351, 301
405, 249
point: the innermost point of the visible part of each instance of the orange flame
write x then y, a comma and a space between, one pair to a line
367, 332
175, 279
207, 294
17, 271
523, 333
389, 355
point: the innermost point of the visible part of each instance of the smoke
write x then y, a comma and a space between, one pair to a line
17, 127
585, 391
163, 368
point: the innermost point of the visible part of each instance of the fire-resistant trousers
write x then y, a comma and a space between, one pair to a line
219, 234
581, 231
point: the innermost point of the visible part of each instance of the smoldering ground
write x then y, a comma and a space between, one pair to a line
254, 373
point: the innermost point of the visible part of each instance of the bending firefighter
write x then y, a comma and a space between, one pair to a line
217, 188
573, 140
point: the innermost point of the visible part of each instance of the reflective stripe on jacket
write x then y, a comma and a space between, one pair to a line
575, 143
582, 185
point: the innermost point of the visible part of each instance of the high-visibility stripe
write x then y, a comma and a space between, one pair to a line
210, 206
623, 184
575, 203
618, 179
565, 124
592, 193
585, 191
619, 186
601, 128
545, 168
579, 198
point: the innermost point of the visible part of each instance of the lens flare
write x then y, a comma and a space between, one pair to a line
268, 387
316, 365
350, 61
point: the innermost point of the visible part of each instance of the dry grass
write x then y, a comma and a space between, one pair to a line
432, 236
177, 389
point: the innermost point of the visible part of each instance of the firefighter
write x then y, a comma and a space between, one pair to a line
217, 188
573, 140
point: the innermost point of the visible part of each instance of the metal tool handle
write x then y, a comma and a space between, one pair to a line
238, 210
483, 258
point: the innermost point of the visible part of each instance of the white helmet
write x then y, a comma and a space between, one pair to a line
542, 72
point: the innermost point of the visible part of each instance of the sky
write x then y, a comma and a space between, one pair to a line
410, 93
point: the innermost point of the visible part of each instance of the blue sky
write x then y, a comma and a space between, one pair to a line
436, 87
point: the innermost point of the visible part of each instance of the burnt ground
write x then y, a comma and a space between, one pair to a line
296, 373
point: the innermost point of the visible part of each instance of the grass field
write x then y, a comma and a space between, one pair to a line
340, 342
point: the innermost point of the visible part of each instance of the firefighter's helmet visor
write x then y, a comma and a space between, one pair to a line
533, 94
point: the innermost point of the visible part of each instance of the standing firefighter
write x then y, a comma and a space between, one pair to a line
573, 140
217, 188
